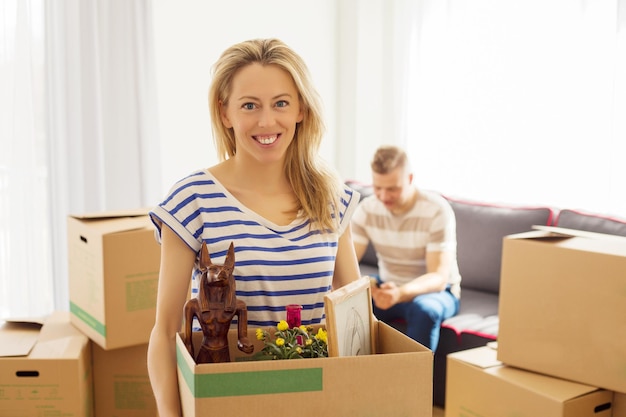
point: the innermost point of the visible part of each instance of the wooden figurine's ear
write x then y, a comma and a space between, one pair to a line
230, 258
229, 266
205, 257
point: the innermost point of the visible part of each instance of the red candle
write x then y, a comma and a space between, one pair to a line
293, 315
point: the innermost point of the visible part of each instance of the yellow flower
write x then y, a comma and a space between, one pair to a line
282, 326
303, 328
299, 349
280, 341
309, 342
259, 334
321, 335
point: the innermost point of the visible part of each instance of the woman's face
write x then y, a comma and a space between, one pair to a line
262, 110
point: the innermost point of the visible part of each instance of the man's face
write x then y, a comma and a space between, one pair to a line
393, 189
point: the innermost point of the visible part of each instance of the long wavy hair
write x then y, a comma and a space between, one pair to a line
315, 185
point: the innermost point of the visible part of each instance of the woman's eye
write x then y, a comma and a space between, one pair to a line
282, 103
248, 106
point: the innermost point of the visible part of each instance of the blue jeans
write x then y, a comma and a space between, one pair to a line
423, 315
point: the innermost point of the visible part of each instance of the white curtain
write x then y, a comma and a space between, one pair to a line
374, 40
520, 102
98, 150
26, 281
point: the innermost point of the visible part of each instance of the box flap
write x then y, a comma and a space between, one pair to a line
17, 338
482, 357
58, 338
547, 386
485, 358
107, 223
563, 232
27, 320
113, 214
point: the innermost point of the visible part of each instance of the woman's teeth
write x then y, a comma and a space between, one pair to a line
266, 140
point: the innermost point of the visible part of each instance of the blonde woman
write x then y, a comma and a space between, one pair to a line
286, 213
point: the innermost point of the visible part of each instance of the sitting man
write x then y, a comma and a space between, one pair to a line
414, 234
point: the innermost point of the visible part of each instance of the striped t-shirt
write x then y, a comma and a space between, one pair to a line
402, 241
274, 265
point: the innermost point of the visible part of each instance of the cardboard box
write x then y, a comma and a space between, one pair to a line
563, 306
45, 371
619, 404
113, 276
396, 382
479, 385
121, 383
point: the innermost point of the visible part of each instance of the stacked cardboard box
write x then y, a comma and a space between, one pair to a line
562, 317
480, 385
619, 404
121, 383
45, 369
113, 277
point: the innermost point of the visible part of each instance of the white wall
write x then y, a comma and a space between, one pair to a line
189, 37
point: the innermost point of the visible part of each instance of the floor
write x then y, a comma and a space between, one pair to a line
437, 411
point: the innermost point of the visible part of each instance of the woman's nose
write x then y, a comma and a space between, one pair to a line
266, 117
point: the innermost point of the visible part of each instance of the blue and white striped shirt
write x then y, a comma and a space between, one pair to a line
274, 265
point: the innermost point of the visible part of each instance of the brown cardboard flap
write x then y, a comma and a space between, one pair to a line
113, 214
18, 338
56, 338
106, 224
483, 358
554, 231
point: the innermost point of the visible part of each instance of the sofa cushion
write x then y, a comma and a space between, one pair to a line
480, 229
579, 220
478, 302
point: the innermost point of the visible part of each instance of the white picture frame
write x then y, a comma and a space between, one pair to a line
350, 320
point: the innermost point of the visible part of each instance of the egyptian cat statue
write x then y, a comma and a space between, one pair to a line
214, 307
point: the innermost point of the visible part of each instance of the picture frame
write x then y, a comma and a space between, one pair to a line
350, 320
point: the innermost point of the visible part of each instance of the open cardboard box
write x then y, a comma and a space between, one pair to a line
113, 276
563, 305
395, 382
45, 370
480, 385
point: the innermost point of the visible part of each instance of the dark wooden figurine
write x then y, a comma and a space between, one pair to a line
215, 306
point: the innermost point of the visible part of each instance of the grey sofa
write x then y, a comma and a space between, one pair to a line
480, 231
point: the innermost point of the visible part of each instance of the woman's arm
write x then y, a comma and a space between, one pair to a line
177, 261
346, 263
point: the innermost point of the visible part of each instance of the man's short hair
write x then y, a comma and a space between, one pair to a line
389, 157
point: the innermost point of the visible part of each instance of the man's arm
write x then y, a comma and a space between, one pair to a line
434, 280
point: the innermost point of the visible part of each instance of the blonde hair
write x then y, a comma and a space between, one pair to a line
316, 187
389, 157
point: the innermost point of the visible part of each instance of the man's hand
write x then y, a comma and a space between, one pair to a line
386, 295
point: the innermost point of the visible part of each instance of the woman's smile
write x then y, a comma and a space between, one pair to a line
266, 139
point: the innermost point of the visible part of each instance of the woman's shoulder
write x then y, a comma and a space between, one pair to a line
194, 180
199, 182
347, 191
